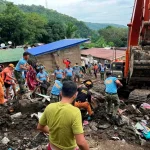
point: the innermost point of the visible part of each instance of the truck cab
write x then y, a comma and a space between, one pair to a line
117, 69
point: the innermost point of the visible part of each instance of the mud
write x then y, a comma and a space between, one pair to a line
100, 132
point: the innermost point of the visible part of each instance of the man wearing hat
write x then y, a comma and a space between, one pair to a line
7, 76
83, 99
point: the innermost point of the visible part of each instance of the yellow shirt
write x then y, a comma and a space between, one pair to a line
64, 121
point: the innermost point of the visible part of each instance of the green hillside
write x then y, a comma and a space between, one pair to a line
97, 26
52, 15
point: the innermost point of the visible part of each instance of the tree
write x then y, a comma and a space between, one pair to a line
70, 30
116, 35
100, 43
53, 16
111, 44
55, 31
35, 27
13, 25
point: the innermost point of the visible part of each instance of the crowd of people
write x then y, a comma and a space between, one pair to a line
62, 119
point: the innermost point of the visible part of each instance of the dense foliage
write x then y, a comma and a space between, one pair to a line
52, 15
24, 24
98, 26
32, 24
109, 37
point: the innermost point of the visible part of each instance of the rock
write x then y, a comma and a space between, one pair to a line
39, 148
143, 142
97, 95
104, 126
5, 140
87, 130
94, 128
146, 117
17, 115
93, 124
26, 106
115, 138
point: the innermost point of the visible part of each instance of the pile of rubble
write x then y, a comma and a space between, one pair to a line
18, 121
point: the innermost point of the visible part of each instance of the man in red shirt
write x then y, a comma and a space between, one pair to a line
67, 62
7, 77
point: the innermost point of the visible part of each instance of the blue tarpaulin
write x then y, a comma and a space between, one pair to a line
55, 46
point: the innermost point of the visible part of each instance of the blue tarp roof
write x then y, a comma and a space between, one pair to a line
55, 46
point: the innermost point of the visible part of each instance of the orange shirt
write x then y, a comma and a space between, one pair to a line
8, 72
95, 67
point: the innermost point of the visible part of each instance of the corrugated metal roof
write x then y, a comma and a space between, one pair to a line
10, 55
55, 46
102, 53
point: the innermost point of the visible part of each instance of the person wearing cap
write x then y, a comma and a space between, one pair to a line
56, 89
9, 80
84, 99
69, 73
59, 73
21, 66
42, 77
112, 99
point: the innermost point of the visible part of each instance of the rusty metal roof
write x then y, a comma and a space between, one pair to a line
103, 53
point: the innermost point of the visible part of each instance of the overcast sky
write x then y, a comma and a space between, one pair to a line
98, 11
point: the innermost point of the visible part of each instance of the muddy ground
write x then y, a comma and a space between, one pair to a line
100, 133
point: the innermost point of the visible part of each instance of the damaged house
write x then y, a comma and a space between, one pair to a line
53, 54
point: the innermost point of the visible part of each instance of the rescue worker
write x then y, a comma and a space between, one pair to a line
42, 78
67, 62
83, 99
69, 73
21, 66
56, 89
112, 99
102, 72
7, 76
63, 122
2, 100
59, 73
89, 68
83, 66
77, 72
95, 70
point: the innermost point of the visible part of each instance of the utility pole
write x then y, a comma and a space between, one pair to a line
46, 4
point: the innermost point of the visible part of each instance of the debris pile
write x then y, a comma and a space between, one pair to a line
19, 119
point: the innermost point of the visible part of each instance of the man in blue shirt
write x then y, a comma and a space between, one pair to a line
69, 73
77, 72
58, 73
42, 77
112, 99
55, 92
21, 66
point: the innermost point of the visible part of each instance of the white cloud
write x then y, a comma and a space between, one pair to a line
100, 11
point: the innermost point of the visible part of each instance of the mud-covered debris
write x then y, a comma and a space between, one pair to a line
17, 115
104, 126
5, 140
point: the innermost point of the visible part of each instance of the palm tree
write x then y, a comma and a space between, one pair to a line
70, 30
